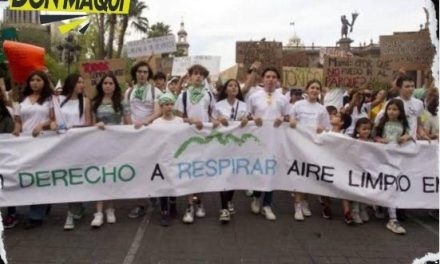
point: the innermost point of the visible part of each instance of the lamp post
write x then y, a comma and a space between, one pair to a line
69, 51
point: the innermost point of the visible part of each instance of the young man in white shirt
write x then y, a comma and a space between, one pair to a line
267, 105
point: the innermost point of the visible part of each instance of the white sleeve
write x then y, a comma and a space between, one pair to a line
179, 103
215, 112
324, 120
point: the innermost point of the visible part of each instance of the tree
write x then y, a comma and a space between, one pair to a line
139, 22
111, 20
158, 30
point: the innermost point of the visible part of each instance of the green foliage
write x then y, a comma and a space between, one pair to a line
158, 30
56, 71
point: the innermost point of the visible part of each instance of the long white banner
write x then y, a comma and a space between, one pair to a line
87, 164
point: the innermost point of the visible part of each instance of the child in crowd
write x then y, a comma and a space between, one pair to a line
166, 102
393, 127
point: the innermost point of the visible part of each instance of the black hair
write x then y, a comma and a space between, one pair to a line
159, 75
46, 91
69, 88
223, 95
272, 69
198, 68
331, 109
4, 113
432, 106
346, 119
403, 78
296, 92
361, 121
309, 83
401, 118
137, 66
116, 98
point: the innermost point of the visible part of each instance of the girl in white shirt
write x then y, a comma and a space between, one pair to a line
308, 112
72, 109
229, 108
33, 115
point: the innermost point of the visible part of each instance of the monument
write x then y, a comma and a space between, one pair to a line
345, 41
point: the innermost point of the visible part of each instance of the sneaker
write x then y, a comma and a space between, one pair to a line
173, 210
10, 221
110, 215
70, 223
200, 211
136, 212
305, 208
394, 226
327, 213
188, 217
225, 216
298, 212
249, 193
164, 219
98, 220
378, 212
267, 212
364, 215
255, 205
30, 224
348, 219
231, 208
357, 218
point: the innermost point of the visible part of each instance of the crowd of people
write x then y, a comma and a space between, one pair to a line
381, 116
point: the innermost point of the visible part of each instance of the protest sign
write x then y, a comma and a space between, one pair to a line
411, 51
181, 64
148, 46
298, 77
124, 163
358, 72
87, 6
92, 71
333, 52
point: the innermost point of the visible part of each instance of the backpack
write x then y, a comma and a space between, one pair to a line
129, 92
184, 101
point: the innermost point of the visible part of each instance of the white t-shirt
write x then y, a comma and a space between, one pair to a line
175, 120
334, 97
142, 103
200, 110
310, 114
223, 108
413, 109
287, 94
33, 115
251, 91
355, 116
70, 112
258, 105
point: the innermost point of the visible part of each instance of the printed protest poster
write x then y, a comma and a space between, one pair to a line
92, 71
109, 7
148, 46
181, 64
298, 76
358, 72
410, 50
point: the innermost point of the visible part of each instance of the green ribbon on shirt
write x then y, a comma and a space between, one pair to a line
195, 94
139, 91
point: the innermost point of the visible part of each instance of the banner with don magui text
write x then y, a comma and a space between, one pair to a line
88, 164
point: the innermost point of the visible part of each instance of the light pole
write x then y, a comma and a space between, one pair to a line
70, 51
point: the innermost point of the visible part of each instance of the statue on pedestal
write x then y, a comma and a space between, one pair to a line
346, 24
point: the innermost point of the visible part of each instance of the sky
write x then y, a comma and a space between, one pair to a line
214, 26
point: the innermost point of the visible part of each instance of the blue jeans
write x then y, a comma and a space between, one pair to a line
267, 199
38, 212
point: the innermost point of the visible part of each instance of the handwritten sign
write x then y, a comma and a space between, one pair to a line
145, 47
357, 72
298, 77
93, 71
333, 52
411, 50
181, 64
295, 58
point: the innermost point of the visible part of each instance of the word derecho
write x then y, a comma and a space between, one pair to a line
89, 6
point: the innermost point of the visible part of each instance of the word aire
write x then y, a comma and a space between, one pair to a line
87, 6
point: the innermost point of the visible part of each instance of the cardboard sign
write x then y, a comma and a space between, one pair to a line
93, 71
358, 72
145, 47
412, 50
333, 52
181, 64
299, 77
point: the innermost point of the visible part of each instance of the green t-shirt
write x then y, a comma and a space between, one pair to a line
106, 114
393, 130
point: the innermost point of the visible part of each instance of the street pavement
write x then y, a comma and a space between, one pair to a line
247, 238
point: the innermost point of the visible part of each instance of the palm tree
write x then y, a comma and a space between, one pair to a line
111, 20
139, 22
158, 30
